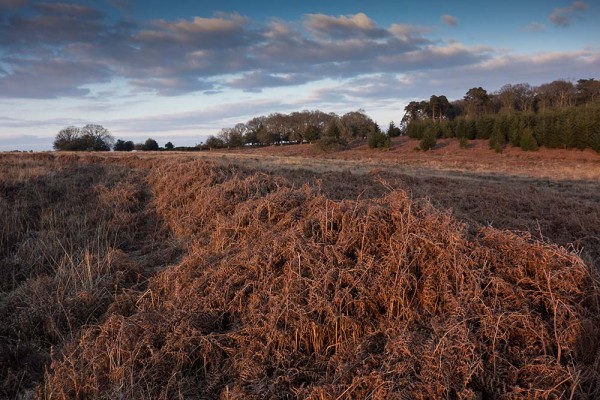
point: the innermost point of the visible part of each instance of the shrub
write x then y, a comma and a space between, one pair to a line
429, 140
330, 143
379, 140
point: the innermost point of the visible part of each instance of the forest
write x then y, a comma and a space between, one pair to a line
559, 114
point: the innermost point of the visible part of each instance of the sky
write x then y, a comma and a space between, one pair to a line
181, 70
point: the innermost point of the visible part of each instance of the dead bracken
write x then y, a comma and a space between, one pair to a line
195, 279
286, 294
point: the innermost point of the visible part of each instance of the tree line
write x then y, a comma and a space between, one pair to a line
559, 114
327, 130
94, 137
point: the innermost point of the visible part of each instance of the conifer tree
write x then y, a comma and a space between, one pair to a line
527, 141
428, 141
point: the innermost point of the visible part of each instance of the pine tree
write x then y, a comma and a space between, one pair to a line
594, 136
566, 129
515, 130
485, 127
528, 142
460, 128
393, 130
429, 140
497, 139
471, 129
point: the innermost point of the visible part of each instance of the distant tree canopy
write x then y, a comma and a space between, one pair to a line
151, 145
89, 138
121, 145
297, 127
559, 114
214, 142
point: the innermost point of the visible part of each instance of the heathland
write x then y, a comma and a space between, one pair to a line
287, 272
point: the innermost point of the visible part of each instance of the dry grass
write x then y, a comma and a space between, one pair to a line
296, 284
70, 234
285, 293
552, 194
447, 157
561, 212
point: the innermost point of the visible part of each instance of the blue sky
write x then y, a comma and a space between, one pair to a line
181, 70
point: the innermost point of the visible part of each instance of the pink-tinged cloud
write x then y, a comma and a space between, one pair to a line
208, 55
343, 27
449, 20
562, 17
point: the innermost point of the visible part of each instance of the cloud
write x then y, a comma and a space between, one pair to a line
343, 27
55, 24
406, 31
26, 142
201, 53
562, 16
124, 5
11, 4
380, 89
205, 118
370, 88
55, 123
533, 68
50, 78
535, 27
449, 20
257, 80
68, 10
172, 86
228, 25
211, 54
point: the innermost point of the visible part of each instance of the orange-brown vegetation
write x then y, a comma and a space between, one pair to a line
223, 281
73, 235
447, 156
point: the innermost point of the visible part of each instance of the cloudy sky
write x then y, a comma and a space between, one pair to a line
181, 70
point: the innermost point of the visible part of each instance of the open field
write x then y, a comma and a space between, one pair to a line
446, 157
283, 273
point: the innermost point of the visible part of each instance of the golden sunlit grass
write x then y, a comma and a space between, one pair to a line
254, 276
